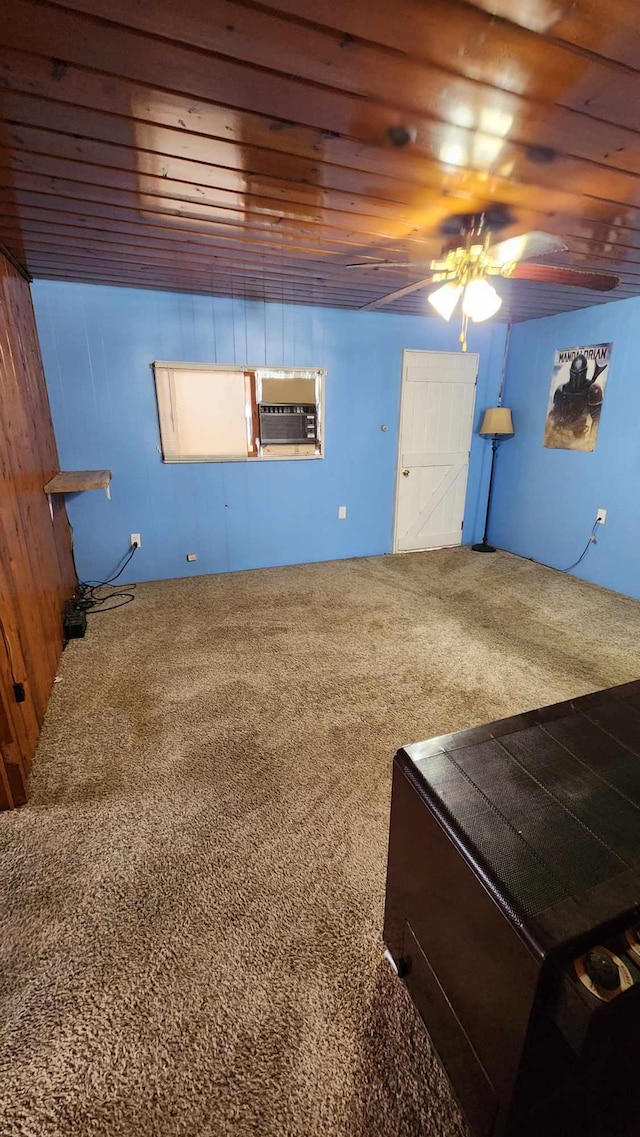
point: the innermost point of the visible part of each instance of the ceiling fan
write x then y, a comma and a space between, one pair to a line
464, 268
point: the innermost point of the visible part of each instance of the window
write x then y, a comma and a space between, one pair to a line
210, 413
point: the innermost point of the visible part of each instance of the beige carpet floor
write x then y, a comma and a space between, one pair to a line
191, 905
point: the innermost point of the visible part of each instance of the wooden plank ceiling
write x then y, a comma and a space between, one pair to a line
247, 148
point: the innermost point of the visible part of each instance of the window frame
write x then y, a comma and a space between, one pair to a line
253, 374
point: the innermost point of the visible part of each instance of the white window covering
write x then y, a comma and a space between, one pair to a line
203, 414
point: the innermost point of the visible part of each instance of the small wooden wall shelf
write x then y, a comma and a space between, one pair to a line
73, 481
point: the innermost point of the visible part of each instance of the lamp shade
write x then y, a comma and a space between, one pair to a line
497, 421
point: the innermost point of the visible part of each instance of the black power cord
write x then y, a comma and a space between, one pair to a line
87, 600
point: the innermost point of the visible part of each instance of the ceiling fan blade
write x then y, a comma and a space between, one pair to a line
391, 296
386, 264
526, 246
576, 278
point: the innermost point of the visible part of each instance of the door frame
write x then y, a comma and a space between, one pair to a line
421, 351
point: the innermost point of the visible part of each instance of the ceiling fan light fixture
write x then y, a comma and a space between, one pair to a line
444, 300
480, 300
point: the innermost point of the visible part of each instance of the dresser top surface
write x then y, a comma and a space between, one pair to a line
546, 805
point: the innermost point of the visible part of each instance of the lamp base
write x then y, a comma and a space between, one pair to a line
483, 548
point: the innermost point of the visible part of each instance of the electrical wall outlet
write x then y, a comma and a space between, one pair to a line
192, 556
342, 512
135, 539
602, 517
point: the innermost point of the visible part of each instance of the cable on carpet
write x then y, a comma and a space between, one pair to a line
87, 599
592, 541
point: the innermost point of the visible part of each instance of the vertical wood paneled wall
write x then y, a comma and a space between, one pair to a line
36, 565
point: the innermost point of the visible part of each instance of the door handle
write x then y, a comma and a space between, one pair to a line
405, 473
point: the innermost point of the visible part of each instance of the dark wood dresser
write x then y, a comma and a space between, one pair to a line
513, 913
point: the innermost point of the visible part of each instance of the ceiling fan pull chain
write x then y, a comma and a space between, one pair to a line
463, 332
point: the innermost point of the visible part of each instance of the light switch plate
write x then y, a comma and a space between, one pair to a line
342, 512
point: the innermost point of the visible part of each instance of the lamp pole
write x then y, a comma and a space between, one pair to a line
496, 423
483, 546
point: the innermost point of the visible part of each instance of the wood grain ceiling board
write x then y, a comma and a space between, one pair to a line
244, 148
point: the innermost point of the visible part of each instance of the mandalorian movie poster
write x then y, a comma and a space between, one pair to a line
575, 399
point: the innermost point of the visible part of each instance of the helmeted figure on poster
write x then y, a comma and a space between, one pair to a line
575, 404
580, 397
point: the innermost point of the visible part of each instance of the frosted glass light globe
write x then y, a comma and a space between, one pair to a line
445, 300
480, 301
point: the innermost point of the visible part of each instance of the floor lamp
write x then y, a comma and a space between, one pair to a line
496, 424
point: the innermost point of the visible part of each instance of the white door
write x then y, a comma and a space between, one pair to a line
436, 424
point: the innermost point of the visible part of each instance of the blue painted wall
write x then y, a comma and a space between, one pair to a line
98, 344
546, 501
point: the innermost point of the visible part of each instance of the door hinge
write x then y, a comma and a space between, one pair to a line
462, 524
